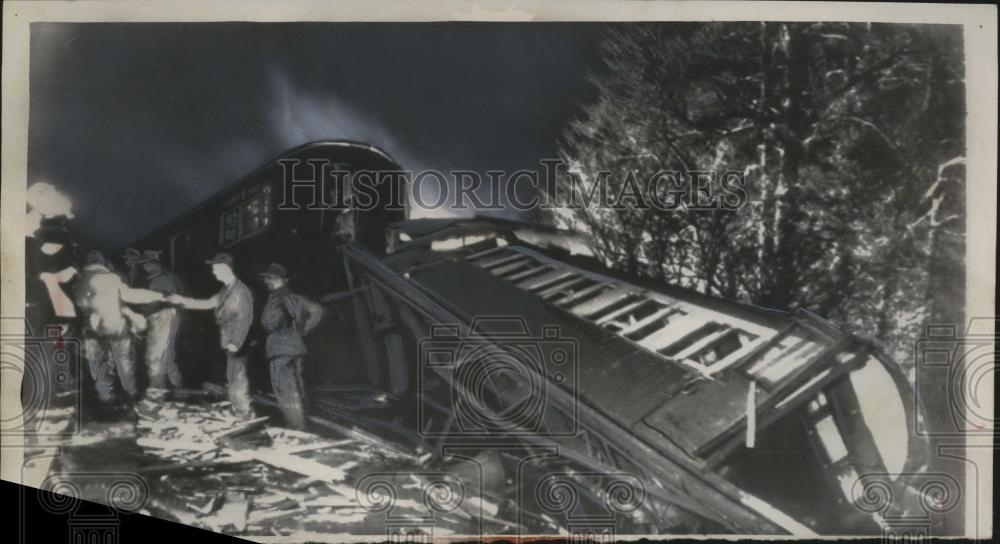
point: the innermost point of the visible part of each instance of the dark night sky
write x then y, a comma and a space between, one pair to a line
139, 122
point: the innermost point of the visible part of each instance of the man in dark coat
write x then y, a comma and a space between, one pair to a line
286, 318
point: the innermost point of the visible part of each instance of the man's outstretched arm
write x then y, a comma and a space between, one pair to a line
132, 295
189, 303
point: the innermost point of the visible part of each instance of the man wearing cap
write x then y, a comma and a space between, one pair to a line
164, 322
233, 307
286, 318
109, 325
131, 258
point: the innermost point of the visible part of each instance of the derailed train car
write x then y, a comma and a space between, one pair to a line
726, 417
720, 417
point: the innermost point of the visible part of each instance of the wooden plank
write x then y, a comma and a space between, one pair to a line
299, 465
244, 427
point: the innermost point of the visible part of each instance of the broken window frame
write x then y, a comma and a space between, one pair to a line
585, 289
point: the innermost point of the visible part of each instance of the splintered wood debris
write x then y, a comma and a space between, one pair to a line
210, 469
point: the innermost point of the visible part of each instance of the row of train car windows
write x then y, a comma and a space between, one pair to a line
699, 338
246, 213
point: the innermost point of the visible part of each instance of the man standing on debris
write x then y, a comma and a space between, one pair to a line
233, 307
161, 363
109, 325
286, 318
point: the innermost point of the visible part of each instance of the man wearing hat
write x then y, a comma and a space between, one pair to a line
164, 321
286, 318
131, 258
233, 307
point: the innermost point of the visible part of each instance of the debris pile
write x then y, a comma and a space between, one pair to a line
208, 468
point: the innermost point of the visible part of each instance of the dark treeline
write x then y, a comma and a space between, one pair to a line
851, 138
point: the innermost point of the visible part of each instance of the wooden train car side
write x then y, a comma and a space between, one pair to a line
246, 220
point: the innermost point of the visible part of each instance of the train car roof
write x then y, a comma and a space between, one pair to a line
513, 231
252, 178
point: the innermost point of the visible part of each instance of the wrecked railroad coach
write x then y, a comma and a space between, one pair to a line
750, 420
730, 417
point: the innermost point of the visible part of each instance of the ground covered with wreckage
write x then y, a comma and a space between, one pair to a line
191, 460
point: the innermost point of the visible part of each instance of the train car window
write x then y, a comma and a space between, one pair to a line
706, 340
830, 438
230, 226
252, 216
648, 326
783, 358
726, 344
247, 214
634, 316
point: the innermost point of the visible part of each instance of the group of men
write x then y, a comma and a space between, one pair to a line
119, 308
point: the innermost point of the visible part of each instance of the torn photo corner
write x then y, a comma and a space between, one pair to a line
349, 272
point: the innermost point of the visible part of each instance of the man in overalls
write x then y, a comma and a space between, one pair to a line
163, 323
286, 318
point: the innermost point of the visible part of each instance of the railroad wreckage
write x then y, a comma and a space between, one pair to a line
657, 409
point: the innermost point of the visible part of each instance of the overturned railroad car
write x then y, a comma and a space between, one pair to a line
511, 337
731, 417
